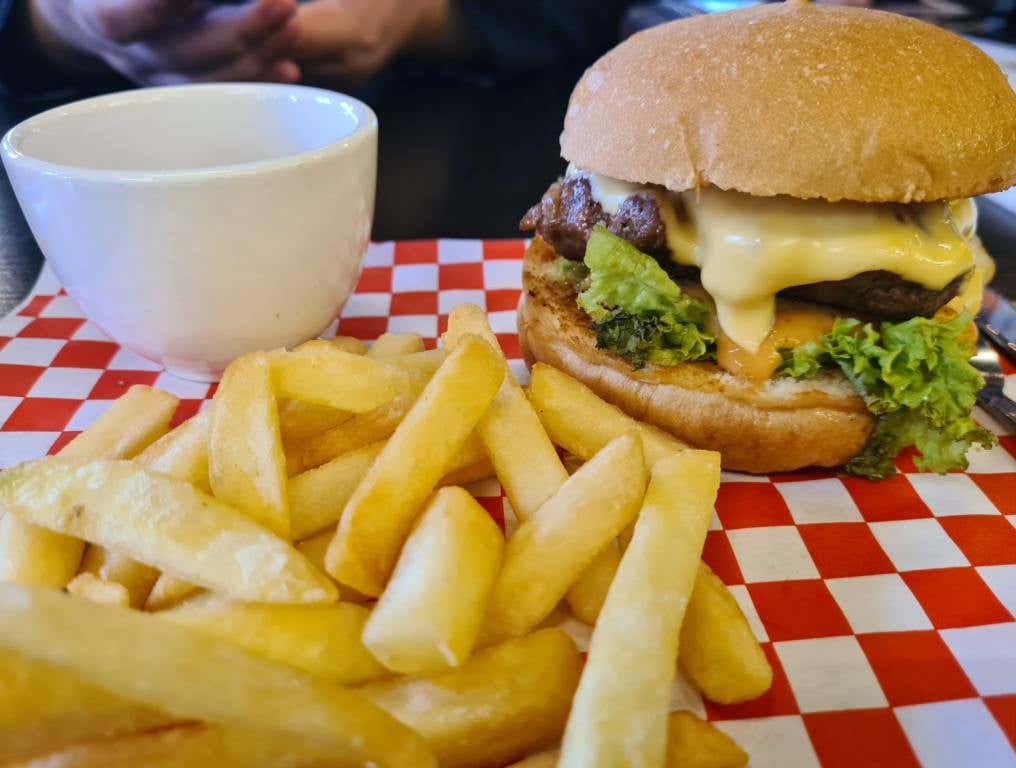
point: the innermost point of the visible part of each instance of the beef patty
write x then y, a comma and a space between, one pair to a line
567, 212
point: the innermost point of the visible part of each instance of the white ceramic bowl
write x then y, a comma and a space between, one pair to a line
196, 223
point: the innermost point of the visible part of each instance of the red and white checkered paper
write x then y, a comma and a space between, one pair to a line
887, 609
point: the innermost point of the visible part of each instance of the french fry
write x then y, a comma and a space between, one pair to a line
586, 596
299, 420
317, 496
183, 452
191, 675
377, 519
619, 714
694, 743
42, 707
581, 422
37, 556
547, 553
691, 743
90, 587
364, 428
114, 567
168, 591
314, 549
503, 703
190, 745
430, 613
321, 373
719, 652
323, 640
525, 461
246, 465
165, 523
392, 344
349, 344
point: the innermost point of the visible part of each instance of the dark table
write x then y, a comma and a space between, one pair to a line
455, 161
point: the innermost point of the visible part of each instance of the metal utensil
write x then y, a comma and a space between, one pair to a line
997, 320
992, 398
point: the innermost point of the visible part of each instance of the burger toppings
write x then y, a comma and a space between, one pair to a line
916, 377
638, 312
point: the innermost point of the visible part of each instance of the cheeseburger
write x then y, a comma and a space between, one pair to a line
765, 240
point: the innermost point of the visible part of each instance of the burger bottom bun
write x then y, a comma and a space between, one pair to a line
777, 426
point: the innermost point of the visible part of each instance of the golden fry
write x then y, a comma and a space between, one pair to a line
525, 461
430, 613
694, 743
581, 422
392, 344
547, 553
114, 567
321, 373
323, 640
377, 519
44, 707
246, 465
505, 702
168, 591
192, 675
349, 344
37, 556
90, 587
165, 523
299, 420
586, 596
619, 714
719, 652
183, 452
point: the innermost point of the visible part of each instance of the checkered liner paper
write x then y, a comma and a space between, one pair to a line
887, 609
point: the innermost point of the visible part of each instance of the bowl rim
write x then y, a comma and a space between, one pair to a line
365, 130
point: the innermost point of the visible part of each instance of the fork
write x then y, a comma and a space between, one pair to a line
991, 397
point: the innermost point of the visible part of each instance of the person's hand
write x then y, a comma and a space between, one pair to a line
347, 41
161, 42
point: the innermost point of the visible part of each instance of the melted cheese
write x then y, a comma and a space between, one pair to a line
750, 248
795, 324
607, 191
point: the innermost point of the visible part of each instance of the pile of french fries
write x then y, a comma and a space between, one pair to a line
296, 577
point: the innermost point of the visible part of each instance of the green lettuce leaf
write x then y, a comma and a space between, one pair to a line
638, 312
916, 377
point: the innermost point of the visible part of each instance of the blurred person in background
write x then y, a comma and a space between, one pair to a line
99, 44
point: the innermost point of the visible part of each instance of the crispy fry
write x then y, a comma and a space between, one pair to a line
33, 555
319, 372
524, 459
719, 652
691, 743
182, 453
246, 465
694, 743
90, 587
430, 613
619, 714
44, 707
151, 661
503, 703
299, 420
317, 496
392, 344
377, 519
323, 640
349, 344
364, 428
314, 549
581, 422
114, 567
168, 591
587, 594
547, 553
165, 523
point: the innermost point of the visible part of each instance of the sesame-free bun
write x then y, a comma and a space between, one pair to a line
798, 99
780, 425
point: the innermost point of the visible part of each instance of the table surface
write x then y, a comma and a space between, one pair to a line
455, 161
